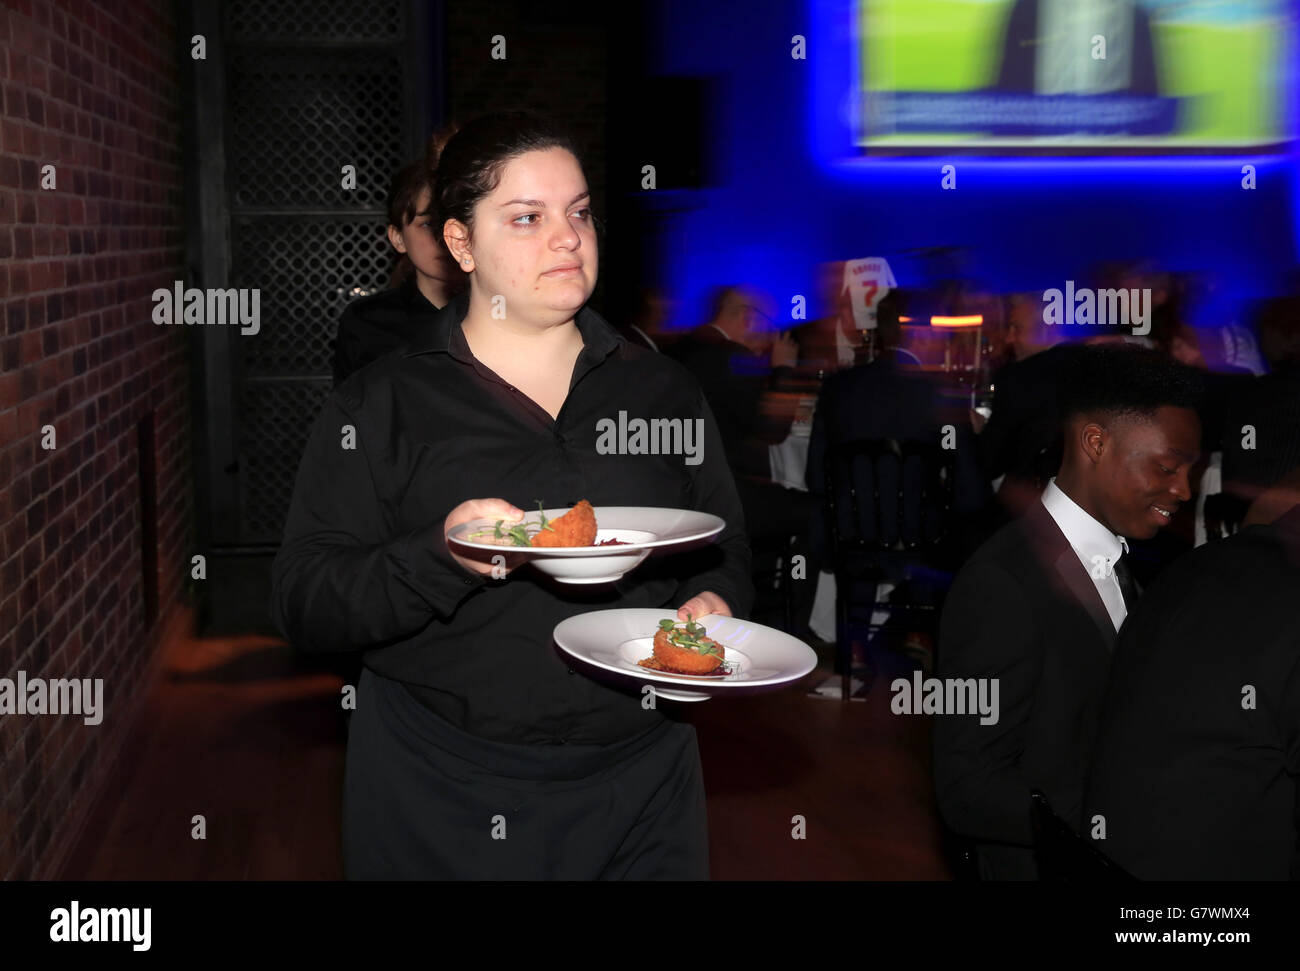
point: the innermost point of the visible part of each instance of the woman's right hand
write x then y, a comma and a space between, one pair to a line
480, 561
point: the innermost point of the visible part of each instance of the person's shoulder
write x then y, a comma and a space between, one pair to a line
655, 366
1009, 543
379, 303
1015, 550
1040, 362
1256, 558
373, 381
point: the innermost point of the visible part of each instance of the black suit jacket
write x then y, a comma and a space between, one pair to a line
881, 400
1191, 784
1025, 611
1271, 405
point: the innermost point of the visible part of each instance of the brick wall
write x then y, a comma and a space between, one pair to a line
92, 89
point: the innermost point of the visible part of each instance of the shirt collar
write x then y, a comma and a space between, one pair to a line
1088, 537
648, 339
598, 337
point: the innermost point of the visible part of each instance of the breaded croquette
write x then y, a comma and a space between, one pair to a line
577, 527
683, 659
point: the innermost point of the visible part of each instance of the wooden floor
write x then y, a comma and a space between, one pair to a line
248, 735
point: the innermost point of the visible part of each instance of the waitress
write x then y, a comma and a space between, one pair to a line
475, 752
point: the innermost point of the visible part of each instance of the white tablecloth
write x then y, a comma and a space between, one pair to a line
789, 460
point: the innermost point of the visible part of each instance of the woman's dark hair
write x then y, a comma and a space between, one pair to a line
471, 162
404, 192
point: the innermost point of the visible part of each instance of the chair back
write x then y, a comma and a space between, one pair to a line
886, 495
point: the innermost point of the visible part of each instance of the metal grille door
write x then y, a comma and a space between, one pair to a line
306, 88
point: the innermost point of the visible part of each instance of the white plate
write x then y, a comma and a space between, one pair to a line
761, 658
642, 528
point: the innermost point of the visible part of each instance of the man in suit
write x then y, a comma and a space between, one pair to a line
1194, 773
1262, 411
1048, 48
738, 358
887, 398
1021, 442
740, 361
647, 320
1037, 607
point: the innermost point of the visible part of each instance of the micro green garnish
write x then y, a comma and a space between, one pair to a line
690, 638
542, 513
518, 534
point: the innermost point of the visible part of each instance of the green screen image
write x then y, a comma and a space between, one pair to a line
1201, 75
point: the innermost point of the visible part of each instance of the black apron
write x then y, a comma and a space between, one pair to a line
424, 800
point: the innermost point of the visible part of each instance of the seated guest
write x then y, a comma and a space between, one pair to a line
1264, 410
1020, 443
647, 321
375, 324
738, 360
832, 341
887, 398
1037, 608
1223, 382
1194, 772
1002, 333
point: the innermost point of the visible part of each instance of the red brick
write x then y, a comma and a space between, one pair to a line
85, 359
11, 136
19, 60
23, 242
31, 347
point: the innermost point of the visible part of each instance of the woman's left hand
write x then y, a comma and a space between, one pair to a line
707, 602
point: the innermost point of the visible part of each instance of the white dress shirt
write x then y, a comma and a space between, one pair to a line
1095, 545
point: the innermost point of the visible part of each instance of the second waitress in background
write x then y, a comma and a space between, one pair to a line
475, 751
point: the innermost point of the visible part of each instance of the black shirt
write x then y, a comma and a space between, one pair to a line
376, 324
364, 563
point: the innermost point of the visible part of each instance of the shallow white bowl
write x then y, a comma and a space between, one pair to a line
642, 528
